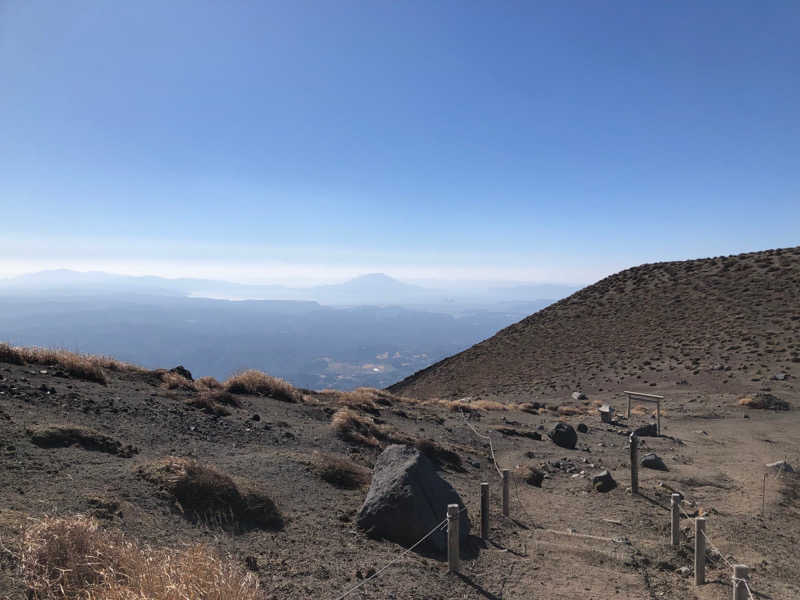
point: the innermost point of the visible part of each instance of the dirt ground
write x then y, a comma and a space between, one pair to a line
563, 540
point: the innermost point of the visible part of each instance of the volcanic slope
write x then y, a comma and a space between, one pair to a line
724, 324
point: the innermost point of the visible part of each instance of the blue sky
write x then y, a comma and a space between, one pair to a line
312, 141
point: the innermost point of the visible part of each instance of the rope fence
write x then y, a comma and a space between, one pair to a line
739, 572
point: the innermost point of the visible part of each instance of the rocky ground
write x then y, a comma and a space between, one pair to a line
563, 540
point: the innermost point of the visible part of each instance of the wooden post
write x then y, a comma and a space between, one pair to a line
634, 464
658, 417
453, 559
484, 511
739, 588
506, 476
676, 519
628, 413
699, 551
764, 497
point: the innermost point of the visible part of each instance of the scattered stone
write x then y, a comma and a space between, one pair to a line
603, 482
579, 396
653, 461
256, 417
251, 562
781, 466
779, 376
684, 571
407, 498
563, 435
764, 400
582, 428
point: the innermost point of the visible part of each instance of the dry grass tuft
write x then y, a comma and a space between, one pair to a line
568, 411
439, 454
530, 475
339, 471
174, 381
257, 383
359, 429
207, 495
74, 559
88, 367
352, 427
764, 401
207, 384
207, 404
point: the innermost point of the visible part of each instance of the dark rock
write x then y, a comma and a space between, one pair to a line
579, 396
256, 417
251, 562
653, 461
563, 435
183, 372
781, 466
649, 430
603, 482
407, 498
582, 428
779, 377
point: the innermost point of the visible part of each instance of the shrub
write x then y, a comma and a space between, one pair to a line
439, 454
175, 381
339, 471
352, 427
74, 559
207, 404
207, 383
208, 495
257, 383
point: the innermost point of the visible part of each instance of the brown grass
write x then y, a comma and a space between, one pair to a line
352, 427
257, 383
339, 471
567, 411
72, 558
174, 381
439, 454
207, 384
359, 429
88, 367
207, 495
207, 405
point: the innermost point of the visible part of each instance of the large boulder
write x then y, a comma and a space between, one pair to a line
408, 498
563, 435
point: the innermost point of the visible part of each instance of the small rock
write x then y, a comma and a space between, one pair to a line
256, 417
182, 371
779, 376
579, 396
582, 428
653, 461
251, 562
683, 571
563, 435
603, 482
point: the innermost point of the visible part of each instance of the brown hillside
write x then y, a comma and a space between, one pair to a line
719, 324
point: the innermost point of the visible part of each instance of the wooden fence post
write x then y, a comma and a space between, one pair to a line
676, 519
699, 551
634, 464
658, 417
484, 511
506, 475
453, 559
739, 588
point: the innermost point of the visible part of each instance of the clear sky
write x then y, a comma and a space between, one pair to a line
311, 141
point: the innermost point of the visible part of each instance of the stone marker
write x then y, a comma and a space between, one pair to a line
563, 435
603, 482
653, 461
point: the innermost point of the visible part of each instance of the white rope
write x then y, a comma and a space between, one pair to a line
394, 560
438, 527
486, 437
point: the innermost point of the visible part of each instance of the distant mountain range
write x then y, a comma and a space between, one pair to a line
371, 289
372, 330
